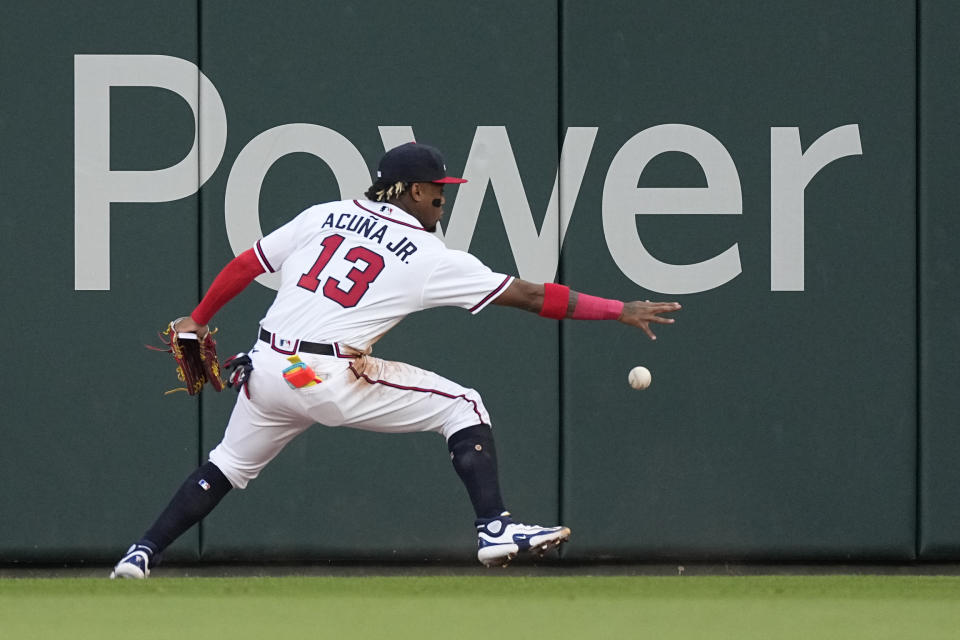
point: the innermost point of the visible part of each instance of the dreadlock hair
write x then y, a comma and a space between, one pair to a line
382, 190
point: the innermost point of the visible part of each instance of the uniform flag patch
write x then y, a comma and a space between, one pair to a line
204, 484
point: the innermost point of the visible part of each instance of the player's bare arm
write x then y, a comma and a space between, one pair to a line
548, 300
522, 295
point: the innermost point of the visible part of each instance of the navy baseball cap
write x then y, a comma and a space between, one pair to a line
412, 162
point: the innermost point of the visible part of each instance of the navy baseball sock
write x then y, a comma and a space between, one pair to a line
475, 460
198, 495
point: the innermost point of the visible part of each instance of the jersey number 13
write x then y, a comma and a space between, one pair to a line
360, 278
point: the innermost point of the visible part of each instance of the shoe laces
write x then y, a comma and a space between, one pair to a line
519, 527
139, 555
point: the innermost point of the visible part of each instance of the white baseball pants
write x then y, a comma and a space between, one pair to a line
362, 393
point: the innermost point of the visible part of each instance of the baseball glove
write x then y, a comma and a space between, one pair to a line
196, 358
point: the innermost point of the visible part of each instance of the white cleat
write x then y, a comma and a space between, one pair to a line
500, 540
135, 564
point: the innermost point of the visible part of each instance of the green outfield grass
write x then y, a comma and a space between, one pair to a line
488, 607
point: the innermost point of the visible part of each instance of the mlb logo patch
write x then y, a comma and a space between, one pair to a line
204, 485
284, 345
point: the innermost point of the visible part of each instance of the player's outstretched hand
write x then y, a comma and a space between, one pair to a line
189, 325
642, 313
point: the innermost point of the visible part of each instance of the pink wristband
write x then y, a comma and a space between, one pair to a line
594, 308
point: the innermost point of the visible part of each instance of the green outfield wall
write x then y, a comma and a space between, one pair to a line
939, 265
784, 171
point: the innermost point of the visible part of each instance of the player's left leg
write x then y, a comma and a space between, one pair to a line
259, 428
199, 494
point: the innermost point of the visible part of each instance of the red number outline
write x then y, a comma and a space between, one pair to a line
311, 279
361, 278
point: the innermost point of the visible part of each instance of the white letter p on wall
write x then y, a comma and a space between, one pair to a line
96, 186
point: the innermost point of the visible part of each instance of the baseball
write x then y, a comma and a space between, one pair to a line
639, 378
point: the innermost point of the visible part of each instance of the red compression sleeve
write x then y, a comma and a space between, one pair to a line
594, 308
556, 297
231, 280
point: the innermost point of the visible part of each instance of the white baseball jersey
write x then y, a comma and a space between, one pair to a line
351, 270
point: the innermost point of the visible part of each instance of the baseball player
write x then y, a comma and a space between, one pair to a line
350, 271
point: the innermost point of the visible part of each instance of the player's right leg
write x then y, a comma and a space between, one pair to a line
395, 397
500, 539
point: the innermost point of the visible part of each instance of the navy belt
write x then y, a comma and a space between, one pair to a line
318, 348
